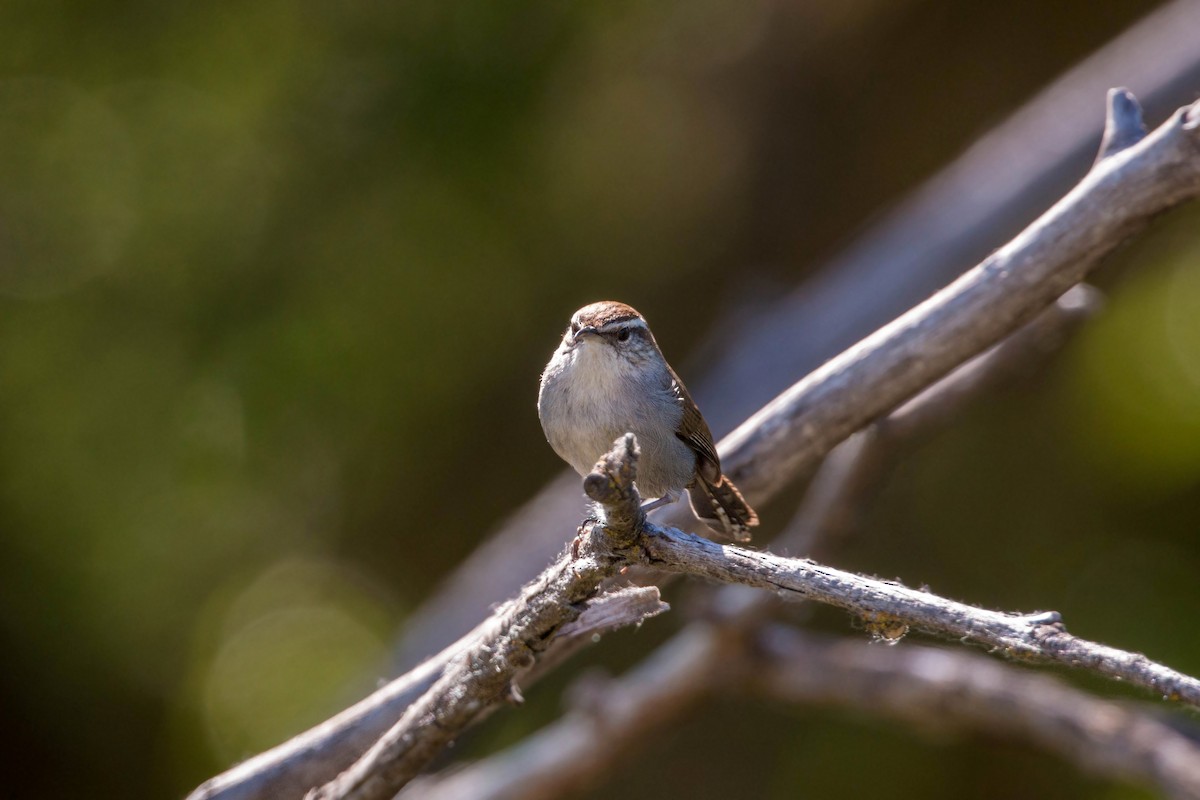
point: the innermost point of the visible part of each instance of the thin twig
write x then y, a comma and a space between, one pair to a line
890, 609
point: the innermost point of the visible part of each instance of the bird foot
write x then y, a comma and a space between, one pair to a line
666, 500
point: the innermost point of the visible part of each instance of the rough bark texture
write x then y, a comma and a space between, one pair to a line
890, 609
927, 688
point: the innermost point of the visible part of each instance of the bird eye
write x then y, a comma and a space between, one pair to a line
623, 335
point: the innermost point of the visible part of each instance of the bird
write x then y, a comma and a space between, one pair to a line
608, 377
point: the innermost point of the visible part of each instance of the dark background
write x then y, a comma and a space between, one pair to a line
277, 280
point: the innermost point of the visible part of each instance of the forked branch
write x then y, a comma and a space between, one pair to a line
625, 537
1120, 195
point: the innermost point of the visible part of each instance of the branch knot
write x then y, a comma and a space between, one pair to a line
610, 484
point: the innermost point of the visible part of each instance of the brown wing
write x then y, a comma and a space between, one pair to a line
693, 430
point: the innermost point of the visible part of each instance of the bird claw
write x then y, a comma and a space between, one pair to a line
666, 500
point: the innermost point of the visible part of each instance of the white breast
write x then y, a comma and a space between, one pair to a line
589, 397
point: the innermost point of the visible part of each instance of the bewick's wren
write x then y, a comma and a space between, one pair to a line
607, 378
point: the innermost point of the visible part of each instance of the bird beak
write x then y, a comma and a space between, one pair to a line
582, 332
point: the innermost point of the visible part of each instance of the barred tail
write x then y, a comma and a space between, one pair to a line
721, 507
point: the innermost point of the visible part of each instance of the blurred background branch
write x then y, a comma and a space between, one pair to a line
930, 690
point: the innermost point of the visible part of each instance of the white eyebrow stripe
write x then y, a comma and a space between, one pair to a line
636, 322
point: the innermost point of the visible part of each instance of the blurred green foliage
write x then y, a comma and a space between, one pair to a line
276, 281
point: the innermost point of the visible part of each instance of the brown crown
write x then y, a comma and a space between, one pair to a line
605, 312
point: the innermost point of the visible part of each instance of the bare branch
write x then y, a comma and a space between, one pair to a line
935, 688
890, 609
482, 676
955, 218
564, 756
1118, 197
671, 681
603, 725
676, 677
618, 608
312, 757
629, 605
932, 687
834, 499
